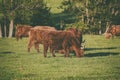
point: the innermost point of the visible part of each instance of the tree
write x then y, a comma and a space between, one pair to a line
0, 31
40, 15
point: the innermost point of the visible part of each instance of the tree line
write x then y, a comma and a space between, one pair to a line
91, 16
13, 12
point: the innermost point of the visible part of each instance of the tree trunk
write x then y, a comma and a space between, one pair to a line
61, 24
0, 31
5, 31
11, 28
107, 27
87, 13
100, 31
82, 18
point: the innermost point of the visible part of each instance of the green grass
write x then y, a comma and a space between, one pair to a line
101, 61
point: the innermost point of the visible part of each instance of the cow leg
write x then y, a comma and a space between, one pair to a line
67, 53
52, 52
81, 52
37, 47
45, 50
30, 44
77, 52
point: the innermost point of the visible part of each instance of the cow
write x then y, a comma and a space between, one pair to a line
55, 40
62, 40
78, 35
113, 31
22, 30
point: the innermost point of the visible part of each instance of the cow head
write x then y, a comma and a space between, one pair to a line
21, 30
18, 33
108, 35
82, 48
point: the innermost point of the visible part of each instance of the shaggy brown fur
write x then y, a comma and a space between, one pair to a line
56, 40
113, 31
78, 35
23, 30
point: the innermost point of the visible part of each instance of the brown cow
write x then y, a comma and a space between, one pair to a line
55, 40
78, 35
22, 30
62, 40
113, 31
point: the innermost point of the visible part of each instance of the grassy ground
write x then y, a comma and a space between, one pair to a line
100, 61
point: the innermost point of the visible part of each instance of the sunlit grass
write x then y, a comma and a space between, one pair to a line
100, 61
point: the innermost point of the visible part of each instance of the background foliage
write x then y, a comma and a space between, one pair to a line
90, 16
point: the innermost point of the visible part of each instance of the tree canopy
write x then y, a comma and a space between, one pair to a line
31, 12
94, 13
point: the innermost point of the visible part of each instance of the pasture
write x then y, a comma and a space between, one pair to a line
101, 61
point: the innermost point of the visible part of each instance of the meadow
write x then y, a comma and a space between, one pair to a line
101, 61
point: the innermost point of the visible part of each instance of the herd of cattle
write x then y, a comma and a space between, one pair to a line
63, 41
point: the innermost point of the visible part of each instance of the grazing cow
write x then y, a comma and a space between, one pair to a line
62, 40
113, 31
22, 30
55, 40
78, 35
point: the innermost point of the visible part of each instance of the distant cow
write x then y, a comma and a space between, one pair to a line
55, 40
22, 30
113, 31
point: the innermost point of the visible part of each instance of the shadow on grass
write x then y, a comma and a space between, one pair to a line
7, 52
30, 75
100, 54
108, 48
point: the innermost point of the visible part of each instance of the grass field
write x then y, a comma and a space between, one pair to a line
101, 61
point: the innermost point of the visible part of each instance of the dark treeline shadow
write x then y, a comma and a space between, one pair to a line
7, 52
101, 54
107, 48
